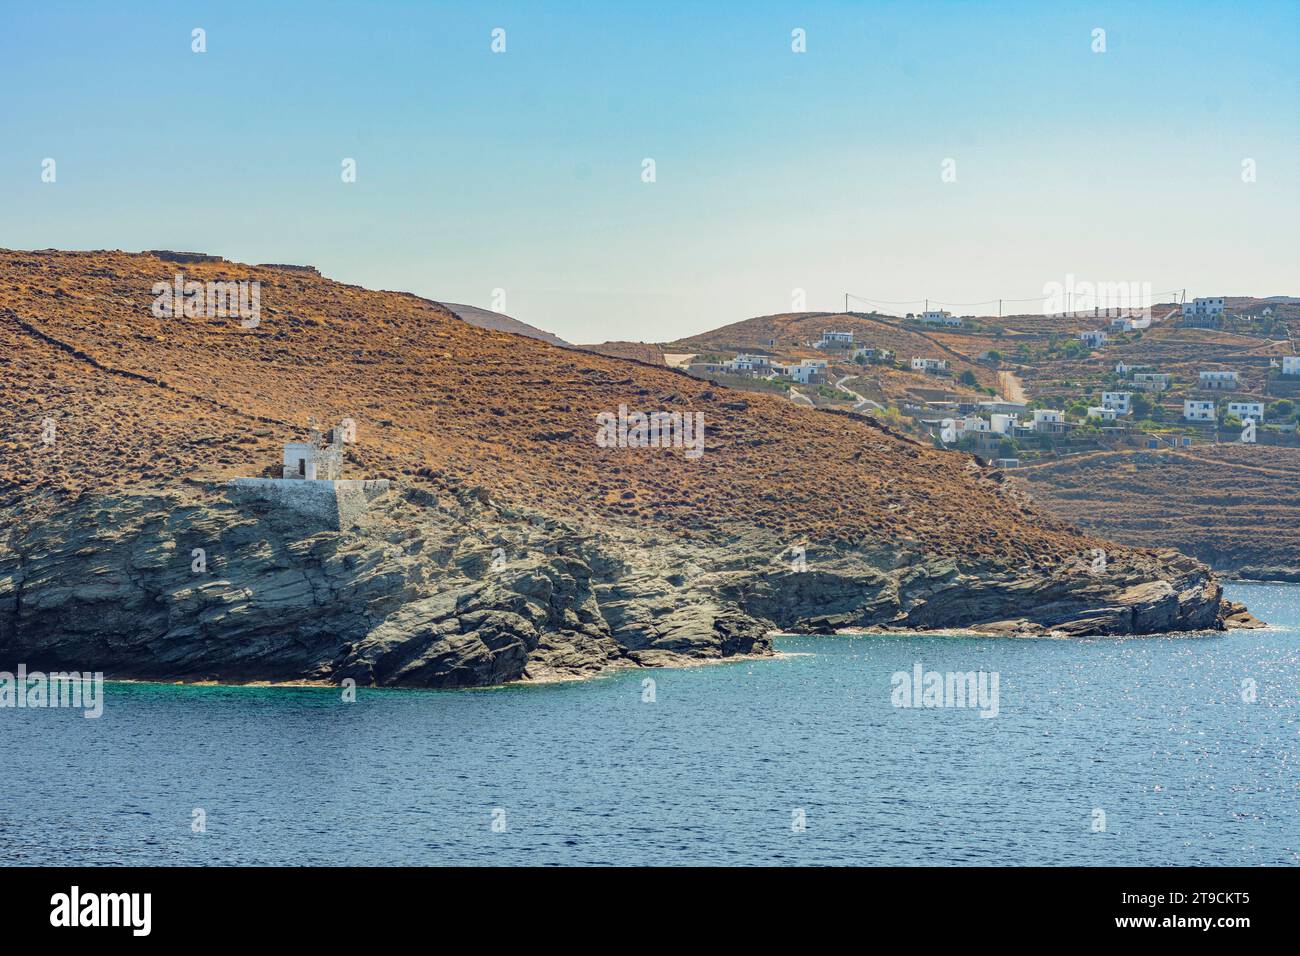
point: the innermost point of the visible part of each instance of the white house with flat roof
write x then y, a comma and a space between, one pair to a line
1094, 339
744, 362
1152, 381
806, 372
1203, 307
1198, 411
1119, 402
1102, 413
1244, 410
939, 317
1291, 365
836, 340
929, 365
1218, 378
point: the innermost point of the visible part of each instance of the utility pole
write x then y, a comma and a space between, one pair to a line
999, 308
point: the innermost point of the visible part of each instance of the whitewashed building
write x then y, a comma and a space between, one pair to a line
1218, 378
1197, 411
1049, 420
1094, 339
929, 365
1203, 307
1001, 423
939, 317
1291, 365
806, 372
748, 363
1152, 381
1102, 413
1119, 402
836, 340
1244, 410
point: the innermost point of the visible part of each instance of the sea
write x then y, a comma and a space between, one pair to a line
1167, 750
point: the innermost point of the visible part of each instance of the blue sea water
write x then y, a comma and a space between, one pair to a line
1152, 732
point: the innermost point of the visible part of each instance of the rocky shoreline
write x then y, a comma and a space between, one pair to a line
445, 587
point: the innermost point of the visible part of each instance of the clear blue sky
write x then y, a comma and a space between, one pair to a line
775, 170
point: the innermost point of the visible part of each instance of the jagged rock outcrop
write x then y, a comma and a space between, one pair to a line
452, 591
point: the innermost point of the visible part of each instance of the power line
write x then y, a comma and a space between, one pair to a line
1154, 296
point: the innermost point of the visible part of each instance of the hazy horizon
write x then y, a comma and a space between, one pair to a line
775, 170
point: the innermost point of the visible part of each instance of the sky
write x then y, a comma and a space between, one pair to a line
959, 152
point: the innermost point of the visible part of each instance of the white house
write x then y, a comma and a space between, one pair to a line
1103, 413
1152, 381
1195, 411
1001, 423
1291, 365
836, 340
1244, 410
806, 372
1049, 420
1094, 339
748, 363
1219, 379
1128, 323
872, 353
939, 317
1122, 368
1119, 402
1203, 307
929, 365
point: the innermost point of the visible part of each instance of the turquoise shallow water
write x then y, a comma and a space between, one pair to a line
1151, 731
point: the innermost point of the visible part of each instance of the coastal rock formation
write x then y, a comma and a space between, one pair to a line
508, 543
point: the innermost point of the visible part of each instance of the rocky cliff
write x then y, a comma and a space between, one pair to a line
508, 542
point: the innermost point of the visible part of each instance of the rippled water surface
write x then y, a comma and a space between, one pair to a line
1152, 732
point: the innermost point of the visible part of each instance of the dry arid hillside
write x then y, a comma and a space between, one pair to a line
1236, 507
140, 401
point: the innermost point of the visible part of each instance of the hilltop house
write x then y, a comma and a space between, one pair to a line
1244, 410
835, 340
1291, 365
931, 365
1128, 323
1151, 381
1203, 307
1198, 411
1118, 402
1219, 379
1094, 339
939, 317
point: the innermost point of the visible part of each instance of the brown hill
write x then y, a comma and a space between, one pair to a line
511, 544
1233, 506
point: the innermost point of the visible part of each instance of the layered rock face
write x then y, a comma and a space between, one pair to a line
454, 590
